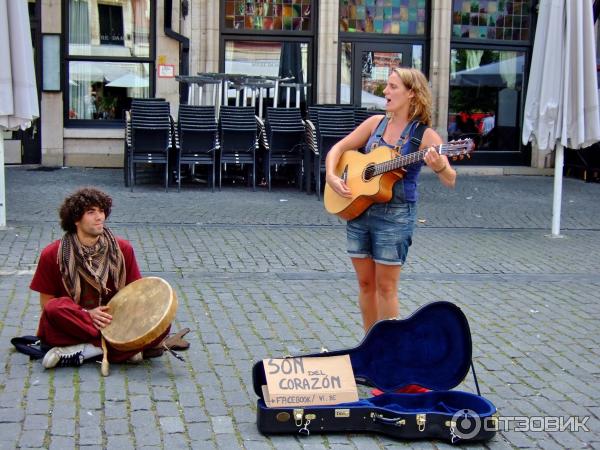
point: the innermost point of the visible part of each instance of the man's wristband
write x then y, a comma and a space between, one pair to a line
442, 169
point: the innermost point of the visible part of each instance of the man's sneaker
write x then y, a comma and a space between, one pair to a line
136, 359
71, 356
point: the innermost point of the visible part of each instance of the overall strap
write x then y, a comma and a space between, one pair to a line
381, 127
415, 131
376, 136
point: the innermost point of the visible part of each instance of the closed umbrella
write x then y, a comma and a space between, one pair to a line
18, 91
561, 108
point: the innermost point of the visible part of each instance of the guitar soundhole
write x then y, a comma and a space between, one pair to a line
369, 172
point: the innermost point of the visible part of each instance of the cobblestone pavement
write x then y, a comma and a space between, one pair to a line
262, 274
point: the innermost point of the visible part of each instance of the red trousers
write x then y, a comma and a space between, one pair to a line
64, 322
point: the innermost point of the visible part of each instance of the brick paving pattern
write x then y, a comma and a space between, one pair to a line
262, 274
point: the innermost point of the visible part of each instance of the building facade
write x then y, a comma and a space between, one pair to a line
93, 56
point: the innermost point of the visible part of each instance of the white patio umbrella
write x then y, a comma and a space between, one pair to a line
18, 91
129, 80
561, 108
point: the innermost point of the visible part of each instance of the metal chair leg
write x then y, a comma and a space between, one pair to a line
212, 181
166, 177
179, 176
131, 174
254, 174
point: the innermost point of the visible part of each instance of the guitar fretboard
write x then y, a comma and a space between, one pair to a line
402, 161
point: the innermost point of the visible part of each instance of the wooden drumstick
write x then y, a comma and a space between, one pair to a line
104, 367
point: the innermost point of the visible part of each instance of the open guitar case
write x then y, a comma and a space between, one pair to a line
431, 348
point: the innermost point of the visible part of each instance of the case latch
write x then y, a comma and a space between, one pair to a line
298, 416
421, 419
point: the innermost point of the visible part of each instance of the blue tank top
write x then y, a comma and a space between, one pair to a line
405, 190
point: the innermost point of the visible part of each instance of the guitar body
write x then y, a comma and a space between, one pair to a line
351, 168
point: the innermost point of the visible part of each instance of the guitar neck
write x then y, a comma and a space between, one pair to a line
402, 161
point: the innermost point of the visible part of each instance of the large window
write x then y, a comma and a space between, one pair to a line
109, 57
373, 63
375, 36
491, 43
486, 96
270, 39
287, 59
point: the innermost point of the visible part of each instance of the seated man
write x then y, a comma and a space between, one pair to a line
76, 277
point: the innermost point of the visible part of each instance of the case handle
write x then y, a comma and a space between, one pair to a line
396, 421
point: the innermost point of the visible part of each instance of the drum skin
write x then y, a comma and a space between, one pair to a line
141, 312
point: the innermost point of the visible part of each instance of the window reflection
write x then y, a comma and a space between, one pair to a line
119, 28
103, 90
346, 73
269, 59
486, 97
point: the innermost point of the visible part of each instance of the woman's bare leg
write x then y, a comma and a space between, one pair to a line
367, 298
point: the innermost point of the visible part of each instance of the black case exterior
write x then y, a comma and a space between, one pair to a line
431, 348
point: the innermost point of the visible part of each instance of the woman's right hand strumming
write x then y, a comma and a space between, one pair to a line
338, 185
354, 140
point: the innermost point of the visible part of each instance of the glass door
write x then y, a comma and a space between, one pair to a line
372, 65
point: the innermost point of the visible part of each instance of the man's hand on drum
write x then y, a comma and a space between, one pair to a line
100, 318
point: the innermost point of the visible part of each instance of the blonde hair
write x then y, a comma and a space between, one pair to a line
420, 107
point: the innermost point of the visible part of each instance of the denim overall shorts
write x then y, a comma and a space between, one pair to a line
384, 231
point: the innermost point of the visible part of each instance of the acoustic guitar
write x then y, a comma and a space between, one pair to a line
371, 177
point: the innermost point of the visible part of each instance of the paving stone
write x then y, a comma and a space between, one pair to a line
171, 425
61, 443
116, 427
222, 425
119, 443
32, 439
139, 402
63, 427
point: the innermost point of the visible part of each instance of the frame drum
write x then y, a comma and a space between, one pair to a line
141, 312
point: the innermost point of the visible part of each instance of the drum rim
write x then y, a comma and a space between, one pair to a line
163, 324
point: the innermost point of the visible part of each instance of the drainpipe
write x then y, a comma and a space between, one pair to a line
184, 47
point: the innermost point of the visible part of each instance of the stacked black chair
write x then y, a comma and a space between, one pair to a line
151, 135
312, 137
333, 125
362, 114
198, 138
238, 138
127, 140
285, 140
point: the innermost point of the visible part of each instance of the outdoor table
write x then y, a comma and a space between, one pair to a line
296, 86
196, 84
257, 87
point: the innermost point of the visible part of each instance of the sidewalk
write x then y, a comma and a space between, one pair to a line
262, 274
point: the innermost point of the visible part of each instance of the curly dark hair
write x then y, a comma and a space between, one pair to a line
75, 205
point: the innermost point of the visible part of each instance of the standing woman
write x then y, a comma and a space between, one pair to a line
378, 240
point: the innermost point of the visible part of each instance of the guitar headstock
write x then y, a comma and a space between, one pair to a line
458, 148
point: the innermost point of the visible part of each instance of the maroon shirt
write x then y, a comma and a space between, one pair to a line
47, 278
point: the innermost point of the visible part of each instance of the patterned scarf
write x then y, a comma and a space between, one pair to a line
93, 264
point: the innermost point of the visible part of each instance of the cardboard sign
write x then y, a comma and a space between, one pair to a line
309, 381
